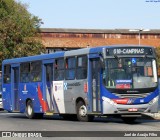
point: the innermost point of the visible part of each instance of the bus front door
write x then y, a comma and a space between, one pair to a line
95, 90
15, 88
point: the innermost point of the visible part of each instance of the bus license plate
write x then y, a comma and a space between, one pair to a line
132, 110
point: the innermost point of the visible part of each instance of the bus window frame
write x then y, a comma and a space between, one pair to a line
70, 69
36, 71
7, 74
59, 71
26, 73
79, 69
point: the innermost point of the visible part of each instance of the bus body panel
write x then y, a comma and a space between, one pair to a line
6, 96
31, 91
73, 91
32, 88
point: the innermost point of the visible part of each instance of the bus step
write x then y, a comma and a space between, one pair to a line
49, 113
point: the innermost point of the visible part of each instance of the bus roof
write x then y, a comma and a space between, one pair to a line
65, 53
33, 58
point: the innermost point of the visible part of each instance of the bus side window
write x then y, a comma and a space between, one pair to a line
25, 72
7, 74
70, 68
36, 71
59, 69
81, 67
49, 73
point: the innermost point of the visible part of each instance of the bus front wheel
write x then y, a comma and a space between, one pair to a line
82, 112
29, 110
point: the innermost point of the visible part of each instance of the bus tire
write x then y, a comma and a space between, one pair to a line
29, 110
129, 120
82, 112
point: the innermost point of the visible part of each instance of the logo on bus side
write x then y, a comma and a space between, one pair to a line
74, 84
70, 85
25, 89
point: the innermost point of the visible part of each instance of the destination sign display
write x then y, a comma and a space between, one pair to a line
129, 51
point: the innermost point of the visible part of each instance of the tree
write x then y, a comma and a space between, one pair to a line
158, 55
18, 31
158, 59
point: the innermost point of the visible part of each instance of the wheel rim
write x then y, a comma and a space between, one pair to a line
29, 110
83, 111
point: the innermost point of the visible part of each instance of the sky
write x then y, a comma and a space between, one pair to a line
96, 14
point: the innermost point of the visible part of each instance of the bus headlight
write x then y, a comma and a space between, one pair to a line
109, 101
154, 100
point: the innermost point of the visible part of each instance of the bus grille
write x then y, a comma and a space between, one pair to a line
140, 95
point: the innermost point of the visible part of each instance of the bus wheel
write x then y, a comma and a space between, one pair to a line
82, 112
129, 120
29, 110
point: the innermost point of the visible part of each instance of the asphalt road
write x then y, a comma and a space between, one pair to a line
19, 122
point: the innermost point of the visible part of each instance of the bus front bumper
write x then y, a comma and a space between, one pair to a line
110, 107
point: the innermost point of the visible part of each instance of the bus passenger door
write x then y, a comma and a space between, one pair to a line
48, 85
95, 82
15, 87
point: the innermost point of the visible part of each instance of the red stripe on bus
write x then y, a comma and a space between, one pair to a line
43, 103
120, 101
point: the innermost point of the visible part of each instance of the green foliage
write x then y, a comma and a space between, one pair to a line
18, 31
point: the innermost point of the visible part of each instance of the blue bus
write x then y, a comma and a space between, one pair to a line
116, 81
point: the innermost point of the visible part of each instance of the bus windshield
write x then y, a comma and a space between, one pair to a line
130, 73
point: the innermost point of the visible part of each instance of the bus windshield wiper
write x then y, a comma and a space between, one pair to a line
116, 57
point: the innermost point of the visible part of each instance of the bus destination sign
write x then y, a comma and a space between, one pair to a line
130, 51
